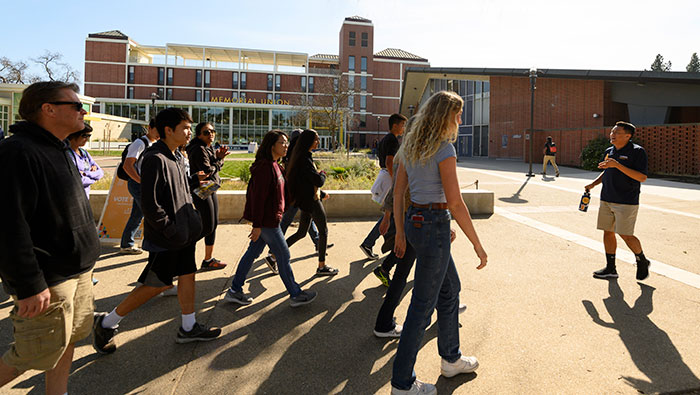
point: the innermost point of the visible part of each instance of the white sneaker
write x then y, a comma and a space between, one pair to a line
133, 250
462, 365
396, 332
462, 308
417, 388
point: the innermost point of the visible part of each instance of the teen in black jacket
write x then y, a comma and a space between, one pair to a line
304, 184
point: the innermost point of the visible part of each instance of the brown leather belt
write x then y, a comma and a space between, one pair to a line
431, 206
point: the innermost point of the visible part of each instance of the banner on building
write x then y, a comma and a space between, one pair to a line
116, 212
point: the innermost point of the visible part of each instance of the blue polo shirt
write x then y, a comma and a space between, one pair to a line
618, 187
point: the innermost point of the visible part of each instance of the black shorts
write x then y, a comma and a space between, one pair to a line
163, 266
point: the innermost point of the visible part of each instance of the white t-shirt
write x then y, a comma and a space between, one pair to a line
135, 150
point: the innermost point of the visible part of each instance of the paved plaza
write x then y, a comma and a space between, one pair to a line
536, 319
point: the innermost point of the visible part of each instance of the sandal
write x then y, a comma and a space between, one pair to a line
326, 271
213, 264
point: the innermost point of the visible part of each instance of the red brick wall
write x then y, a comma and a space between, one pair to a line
147, 75
105, 73
221, 79
559, 104
671, 149
116, 91
105, 51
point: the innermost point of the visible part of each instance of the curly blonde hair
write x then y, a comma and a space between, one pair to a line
434, 123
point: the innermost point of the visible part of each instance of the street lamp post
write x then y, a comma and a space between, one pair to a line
154, 96
533, 80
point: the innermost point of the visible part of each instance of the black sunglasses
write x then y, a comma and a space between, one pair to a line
86, 135
78, 106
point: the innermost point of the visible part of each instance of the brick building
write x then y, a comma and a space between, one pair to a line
573, 106
245, 92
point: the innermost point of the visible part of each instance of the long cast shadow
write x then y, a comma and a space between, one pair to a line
648, 345
516, 196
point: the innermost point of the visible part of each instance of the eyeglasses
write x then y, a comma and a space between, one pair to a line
78, 106
208, 132
86, 135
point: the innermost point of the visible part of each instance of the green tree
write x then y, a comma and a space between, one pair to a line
694, 65
660, 65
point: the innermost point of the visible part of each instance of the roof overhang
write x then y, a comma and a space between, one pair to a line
416, 78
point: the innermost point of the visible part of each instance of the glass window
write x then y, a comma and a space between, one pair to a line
470, 88
363, 63
234, 85
351, 63
469, 111
363, 102
463, 88
365, 37
269, 82
131, 74
335, 85
198, 95
243, 96
269, 97
161, 76
351, 82
477, 85
207, 95
170, 76
363, 83
278, 82
504, 141
130, 94
303, 84
243, 80
207, 78
234, 95
198, 78
169, 95
487, 86
161, 93
352, 39
351, 102
477, 111
311, 84
363, 121
278, 97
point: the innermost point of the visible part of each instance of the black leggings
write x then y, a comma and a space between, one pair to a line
209, 211
319, 216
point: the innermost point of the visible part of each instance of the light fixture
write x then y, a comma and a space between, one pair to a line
596, 115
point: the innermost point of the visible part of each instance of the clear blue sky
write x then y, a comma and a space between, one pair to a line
595, 34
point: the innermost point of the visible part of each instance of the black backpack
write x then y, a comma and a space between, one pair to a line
121, 173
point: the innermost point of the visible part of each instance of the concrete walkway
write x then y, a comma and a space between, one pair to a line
537, 320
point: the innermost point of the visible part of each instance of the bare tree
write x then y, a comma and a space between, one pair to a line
55, 69
15, 72
329, 108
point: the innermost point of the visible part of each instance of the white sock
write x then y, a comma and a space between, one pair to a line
188, 322
112, 320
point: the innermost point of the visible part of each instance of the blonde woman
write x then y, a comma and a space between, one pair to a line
428, 168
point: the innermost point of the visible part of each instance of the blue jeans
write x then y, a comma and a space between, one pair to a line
132, 225
373, 235
287, 219
436, 286
274, 238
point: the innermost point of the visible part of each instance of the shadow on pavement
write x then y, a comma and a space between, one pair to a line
648, 345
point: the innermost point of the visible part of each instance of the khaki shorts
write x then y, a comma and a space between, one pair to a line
617, 217
41, 341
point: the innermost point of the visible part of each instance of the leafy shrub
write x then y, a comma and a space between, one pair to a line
592, 154
244, 173
338, 172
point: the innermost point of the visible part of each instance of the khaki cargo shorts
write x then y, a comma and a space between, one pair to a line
617, 217
41, 341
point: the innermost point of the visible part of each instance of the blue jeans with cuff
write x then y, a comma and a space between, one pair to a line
436, 286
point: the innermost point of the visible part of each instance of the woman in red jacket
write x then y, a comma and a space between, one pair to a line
264, 207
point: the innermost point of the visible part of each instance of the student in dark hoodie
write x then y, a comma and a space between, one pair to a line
264, 207
304, 184
48, 243
172, 226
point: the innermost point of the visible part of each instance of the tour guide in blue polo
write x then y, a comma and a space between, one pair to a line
624, 169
